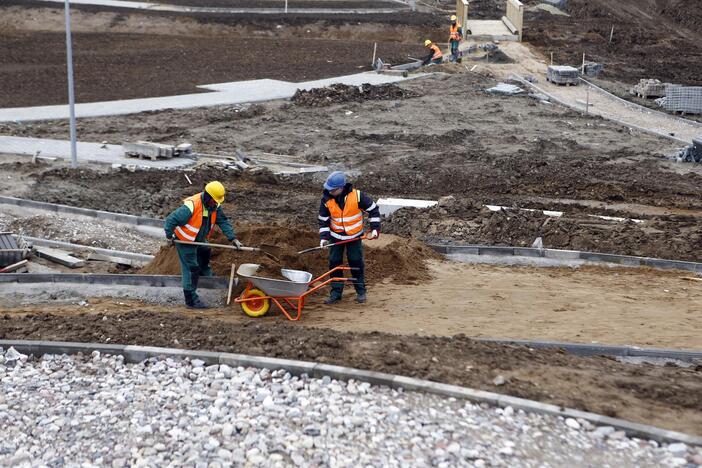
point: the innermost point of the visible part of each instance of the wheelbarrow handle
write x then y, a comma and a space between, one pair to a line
221, 246
313, 249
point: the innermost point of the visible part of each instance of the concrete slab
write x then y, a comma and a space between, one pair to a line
239, 92
490, 30
59, 256
90, 152
390, 205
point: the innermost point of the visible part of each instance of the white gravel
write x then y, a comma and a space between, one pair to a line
97, 411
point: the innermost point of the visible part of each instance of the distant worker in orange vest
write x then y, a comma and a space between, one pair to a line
193, 222
435, 55
341, 219
455, 36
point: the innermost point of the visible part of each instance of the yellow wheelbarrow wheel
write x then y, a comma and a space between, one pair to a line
256, 307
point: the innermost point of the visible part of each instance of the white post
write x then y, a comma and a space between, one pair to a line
611, 35
286, 7
71, 96
583, 71
551, 58
375, 48
587, 103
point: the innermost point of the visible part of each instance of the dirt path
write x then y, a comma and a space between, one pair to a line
667, 396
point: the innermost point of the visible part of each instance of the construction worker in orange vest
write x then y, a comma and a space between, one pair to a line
193, 222
435, 55
455, 36
341, 219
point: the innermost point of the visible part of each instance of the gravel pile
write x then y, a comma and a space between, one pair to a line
98, 410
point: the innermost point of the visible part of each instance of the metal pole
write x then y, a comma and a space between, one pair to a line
71, 96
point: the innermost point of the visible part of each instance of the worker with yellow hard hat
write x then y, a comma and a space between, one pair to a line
455, 36
435, 55
193, 222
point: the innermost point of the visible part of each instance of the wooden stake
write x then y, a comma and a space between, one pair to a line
231, 284
551, 58
583, 71
286, 6
14, 266
690, 278
611, 35
375, 48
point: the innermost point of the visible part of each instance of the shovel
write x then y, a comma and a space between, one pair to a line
271, 251
314, 249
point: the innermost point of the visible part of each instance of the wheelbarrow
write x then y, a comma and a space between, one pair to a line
256, 299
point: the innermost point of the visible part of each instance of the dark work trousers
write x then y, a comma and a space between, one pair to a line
194, 262
354, 254
454, 50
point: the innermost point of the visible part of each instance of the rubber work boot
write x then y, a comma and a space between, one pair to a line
361, 298
332, 300
192, 301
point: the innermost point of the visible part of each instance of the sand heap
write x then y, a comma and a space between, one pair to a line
398, 261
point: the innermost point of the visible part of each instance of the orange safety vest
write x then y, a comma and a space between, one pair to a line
455, 36
346, 223
188, 233
437, 52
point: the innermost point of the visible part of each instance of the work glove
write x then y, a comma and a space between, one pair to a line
236, 243
170, 240
323, 243
373, 235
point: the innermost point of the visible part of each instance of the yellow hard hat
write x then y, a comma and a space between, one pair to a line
216, 191
427, 43
453, 18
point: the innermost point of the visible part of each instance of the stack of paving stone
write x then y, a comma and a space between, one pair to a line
647, 88
684, 99
561, 74
593, 68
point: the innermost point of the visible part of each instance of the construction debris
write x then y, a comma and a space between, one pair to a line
112, 259
59, 256
506, 89
154, 151
692, 153
563, 75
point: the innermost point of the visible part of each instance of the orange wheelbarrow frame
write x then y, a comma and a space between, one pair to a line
295, 302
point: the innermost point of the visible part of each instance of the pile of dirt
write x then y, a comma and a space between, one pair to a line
673, 237
400, 261
666, 396
340, 93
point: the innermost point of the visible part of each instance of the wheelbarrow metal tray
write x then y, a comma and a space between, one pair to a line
296, 286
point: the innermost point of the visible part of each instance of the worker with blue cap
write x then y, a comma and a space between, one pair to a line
341, 219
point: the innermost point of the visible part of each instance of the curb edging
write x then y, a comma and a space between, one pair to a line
556, 254
154, 281
135, 354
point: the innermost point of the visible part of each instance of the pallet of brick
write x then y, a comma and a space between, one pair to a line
563, 75
683, 99
647, 88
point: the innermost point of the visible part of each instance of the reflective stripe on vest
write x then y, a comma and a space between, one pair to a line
454, 32
437, 52
346, 223
190, 230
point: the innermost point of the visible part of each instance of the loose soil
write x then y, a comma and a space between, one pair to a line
652, 38
669, 397
340, 93
398, 260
